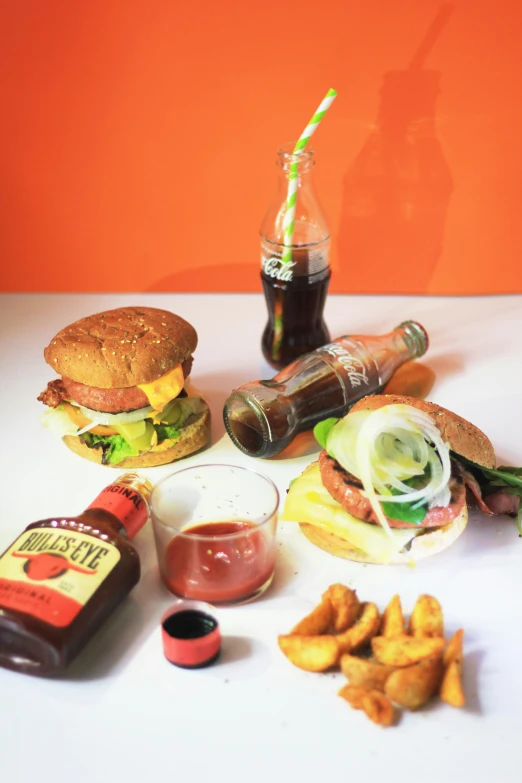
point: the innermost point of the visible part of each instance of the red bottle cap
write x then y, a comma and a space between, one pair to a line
190, 634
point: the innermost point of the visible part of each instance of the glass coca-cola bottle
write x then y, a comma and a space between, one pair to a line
263, 417
295, 282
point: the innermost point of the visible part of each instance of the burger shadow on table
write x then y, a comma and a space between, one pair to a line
483, 536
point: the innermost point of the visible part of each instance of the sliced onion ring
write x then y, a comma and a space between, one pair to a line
382, 462
101, 417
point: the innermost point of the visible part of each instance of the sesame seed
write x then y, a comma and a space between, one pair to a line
55, 361
104, 349
163, 324
54, 343
80, 356
122, 341
114, 353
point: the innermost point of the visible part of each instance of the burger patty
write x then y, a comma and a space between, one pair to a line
346, 489
115, 400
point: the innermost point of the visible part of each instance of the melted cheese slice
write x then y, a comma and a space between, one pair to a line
309, 501
164, 389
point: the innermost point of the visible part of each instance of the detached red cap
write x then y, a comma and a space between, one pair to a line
190, 634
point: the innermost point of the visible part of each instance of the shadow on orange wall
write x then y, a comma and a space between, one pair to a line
396, 193
137, 140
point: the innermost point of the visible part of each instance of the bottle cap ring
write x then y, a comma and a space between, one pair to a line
190, 634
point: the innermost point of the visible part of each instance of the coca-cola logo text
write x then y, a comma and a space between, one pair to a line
354, 367
274, 267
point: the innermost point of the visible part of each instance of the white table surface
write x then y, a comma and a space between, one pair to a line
122, 713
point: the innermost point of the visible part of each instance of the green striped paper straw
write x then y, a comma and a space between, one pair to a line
293, 178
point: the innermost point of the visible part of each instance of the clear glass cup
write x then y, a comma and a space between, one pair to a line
215, 532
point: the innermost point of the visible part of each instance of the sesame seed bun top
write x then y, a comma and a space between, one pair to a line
122, 347
462, 437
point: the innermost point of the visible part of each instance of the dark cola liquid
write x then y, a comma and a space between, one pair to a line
295, 317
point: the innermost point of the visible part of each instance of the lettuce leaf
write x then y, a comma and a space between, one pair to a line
166, 431
114, 447
322, 429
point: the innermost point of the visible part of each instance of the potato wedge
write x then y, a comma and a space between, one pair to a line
374, 703
413, 686
317, 621
454, 649
378, 708
405, 650
311, 653
368, 674
353, 694
346, 606
426, 619
365, 628
451, 690
393, 619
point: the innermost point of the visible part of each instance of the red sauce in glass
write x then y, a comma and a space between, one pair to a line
231, 563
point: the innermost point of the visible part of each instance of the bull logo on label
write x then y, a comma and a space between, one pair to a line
51, 554
45, 565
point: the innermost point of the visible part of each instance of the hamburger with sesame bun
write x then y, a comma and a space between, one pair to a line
121, 399
394, 481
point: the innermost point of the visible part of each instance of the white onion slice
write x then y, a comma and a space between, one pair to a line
100, 417
388, 446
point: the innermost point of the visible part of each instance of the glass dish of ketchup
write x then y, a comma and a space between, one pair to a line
215, 532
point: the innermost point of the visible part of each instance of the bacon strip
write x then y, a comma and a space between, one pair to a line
473, 486
54, 394
503, 502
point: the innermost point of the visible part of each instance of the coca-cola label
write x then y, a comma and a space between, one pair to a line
354, 367
304, 261
276, 268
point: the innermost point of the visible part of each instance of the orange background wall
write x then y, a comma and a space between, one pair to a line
138, 141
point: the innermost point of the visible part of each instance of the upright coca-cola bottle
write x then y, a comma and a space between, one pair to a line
263, 417
295, 277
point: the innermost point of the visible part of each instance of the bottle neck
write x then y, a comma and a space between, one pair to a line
291, 163
123, 505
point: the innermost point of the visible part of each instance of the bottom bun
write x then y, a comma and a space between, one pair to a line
424, 545
194, 437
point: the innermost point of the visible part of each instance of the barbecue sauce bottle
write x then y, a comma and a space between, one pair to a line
62, 578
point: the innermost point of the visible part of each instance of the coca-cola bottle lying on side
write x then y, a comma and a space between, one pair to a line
262, 417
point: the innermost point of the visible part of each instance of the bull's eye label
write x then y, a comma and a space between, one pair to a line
50, 573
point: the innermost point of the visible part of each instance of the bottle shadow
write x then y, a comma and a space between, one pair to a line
397, 191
